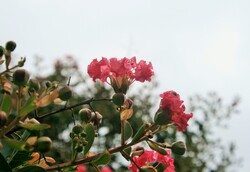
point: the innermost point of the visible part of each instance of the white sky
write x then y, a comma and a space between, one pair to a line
195, 46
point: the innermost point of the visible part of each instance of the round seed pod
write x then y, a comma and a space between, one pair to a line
20, 77
77, 129
10, 46
118, 99
85, 114
65, 93
44, 144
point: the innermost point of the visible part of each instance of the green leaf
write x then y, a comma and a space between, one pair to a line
102, 159
126, 152
128, 130
6, 104
17, 145
140, 133
31, 126
32, 169
156, 148
29, 106
20, 158
90, 136
4, 166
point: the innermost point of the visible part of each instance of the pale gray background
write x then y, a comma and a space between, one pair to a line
195, 46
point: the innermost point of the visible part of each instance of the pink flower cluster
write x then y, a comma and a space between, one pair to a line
121, 73
149, 157
171, 102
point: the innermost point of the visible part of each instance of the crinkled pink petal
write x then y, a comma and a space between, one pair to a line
143, 71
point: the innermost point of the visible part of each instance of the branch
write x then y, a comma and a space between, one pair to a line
61, 110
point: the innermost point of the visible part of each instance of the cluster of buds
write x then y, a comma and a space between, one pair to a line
78, 138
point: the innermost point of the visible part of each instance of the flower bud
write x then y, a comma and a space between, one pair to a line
77, 129
118, 99
48, 84
3, 119
85, 114
44, 144
10, 46
34, 85
178, 147
20, 77
65, 93
1, 51
162, 117
79, 148
97, 119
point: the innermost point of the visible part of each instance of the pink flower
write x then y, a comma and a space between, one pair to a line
99, 69
149, 157
143, 71
106, 169
146, 158
173, 105
121, 72
81, 168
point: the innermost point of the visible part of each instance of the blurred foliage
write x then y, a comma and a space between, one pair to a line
205, 152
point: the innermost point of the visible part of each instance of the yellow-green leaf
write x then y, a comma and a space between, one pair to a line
29, 106
90, 136
102, 159
156, 148
139, 134
6, 104
17, 145
31, 126
128, 130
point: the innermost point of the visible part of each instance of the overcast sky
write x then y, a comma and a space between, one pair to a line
195, 46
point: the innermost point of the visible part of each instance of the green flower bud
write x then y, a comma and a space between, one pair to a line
48, 84
83, 134
10, 46
72, 135
65, 93
20, 77
85, 114
162, 117
3, 118
77, 129
79, 148
118, 99
178, 147
1, 51
44, 144
34, 85
84, 142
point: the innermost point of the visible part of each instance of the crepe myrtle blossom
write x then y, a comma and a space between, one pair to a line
172, 110
149, 157
120, 73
